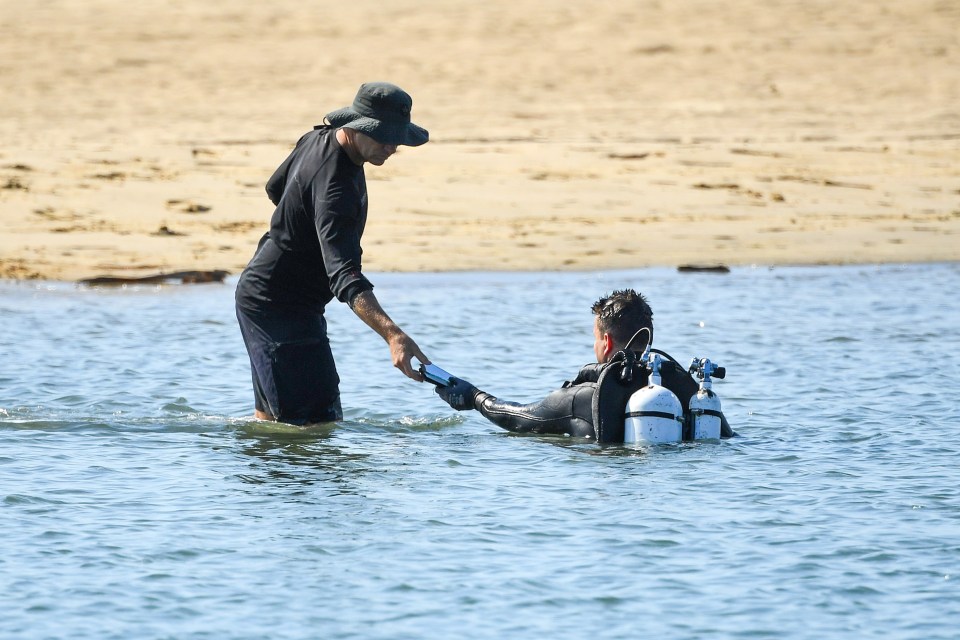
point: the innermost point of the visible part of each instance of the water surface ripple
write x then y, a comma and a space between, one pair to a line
137, 498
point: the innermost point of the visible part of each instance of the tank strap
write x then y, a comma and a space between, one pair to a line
706, 412
651, 414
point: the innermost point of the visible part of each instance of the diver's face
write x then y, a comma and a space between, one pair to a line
601, 342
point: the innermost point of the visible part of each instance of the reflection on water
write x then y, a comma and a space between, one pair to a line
135, 489
287, 455
292, 464
291, 454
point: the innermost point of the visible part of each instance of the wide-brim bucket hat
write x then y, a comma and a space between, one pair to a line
382, 111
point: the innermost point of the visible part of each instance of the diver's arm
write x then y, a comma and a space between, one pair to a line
565, 411
726, 431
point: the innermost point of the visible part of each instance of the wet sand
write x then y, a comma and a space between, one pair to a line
137, 137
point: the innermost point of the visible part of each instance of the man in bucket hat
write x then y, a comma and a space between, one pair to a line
312, 254
382, 111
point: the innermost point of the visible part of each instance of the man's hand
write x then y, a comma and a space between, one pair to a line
402, 350
459, 394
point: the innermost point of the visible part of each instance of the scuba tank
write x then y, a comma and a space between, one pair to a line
653, 415
705, 405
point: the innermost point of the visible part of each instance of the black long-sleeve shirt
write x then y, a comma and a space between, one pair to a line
312, 252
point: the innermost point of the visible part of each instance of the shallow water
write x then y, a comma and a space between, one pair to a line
138, 500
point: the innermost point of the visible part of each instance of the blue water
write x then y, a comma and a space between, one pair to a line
138, 500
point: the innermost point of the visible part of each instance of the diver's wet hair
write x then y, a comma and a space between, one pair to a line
622, 314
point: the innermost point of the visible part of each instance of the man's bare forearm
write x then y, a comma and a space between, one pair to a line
368, 309
402, 346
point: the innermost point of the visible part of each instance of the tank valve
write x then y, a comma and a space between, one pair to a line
704, 369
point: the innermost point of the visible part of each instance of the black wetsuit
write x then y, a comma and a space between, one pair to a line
310, 255
569, 410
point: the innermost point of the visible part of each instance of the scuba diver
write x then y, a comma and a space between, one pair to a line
598, 402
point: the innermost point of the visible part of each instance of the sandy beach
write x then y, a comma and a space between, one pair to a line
137, 137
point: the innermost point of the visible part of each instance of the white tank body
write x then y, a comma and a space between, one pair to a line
653, 415
705, 409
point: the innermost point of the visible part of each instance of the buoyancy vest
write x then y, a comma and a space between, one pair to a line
624, 374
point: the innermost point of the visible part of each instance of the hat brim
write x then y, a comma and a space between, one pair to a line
404, 133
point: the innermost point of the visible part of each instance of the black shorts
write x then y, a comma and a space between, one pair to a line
294, 377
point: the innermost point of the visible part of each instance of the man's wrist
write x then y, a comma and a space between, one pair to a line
392, 333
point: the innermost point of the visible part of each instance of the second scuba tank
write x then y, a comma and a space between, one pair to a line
653, 415
704, 404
